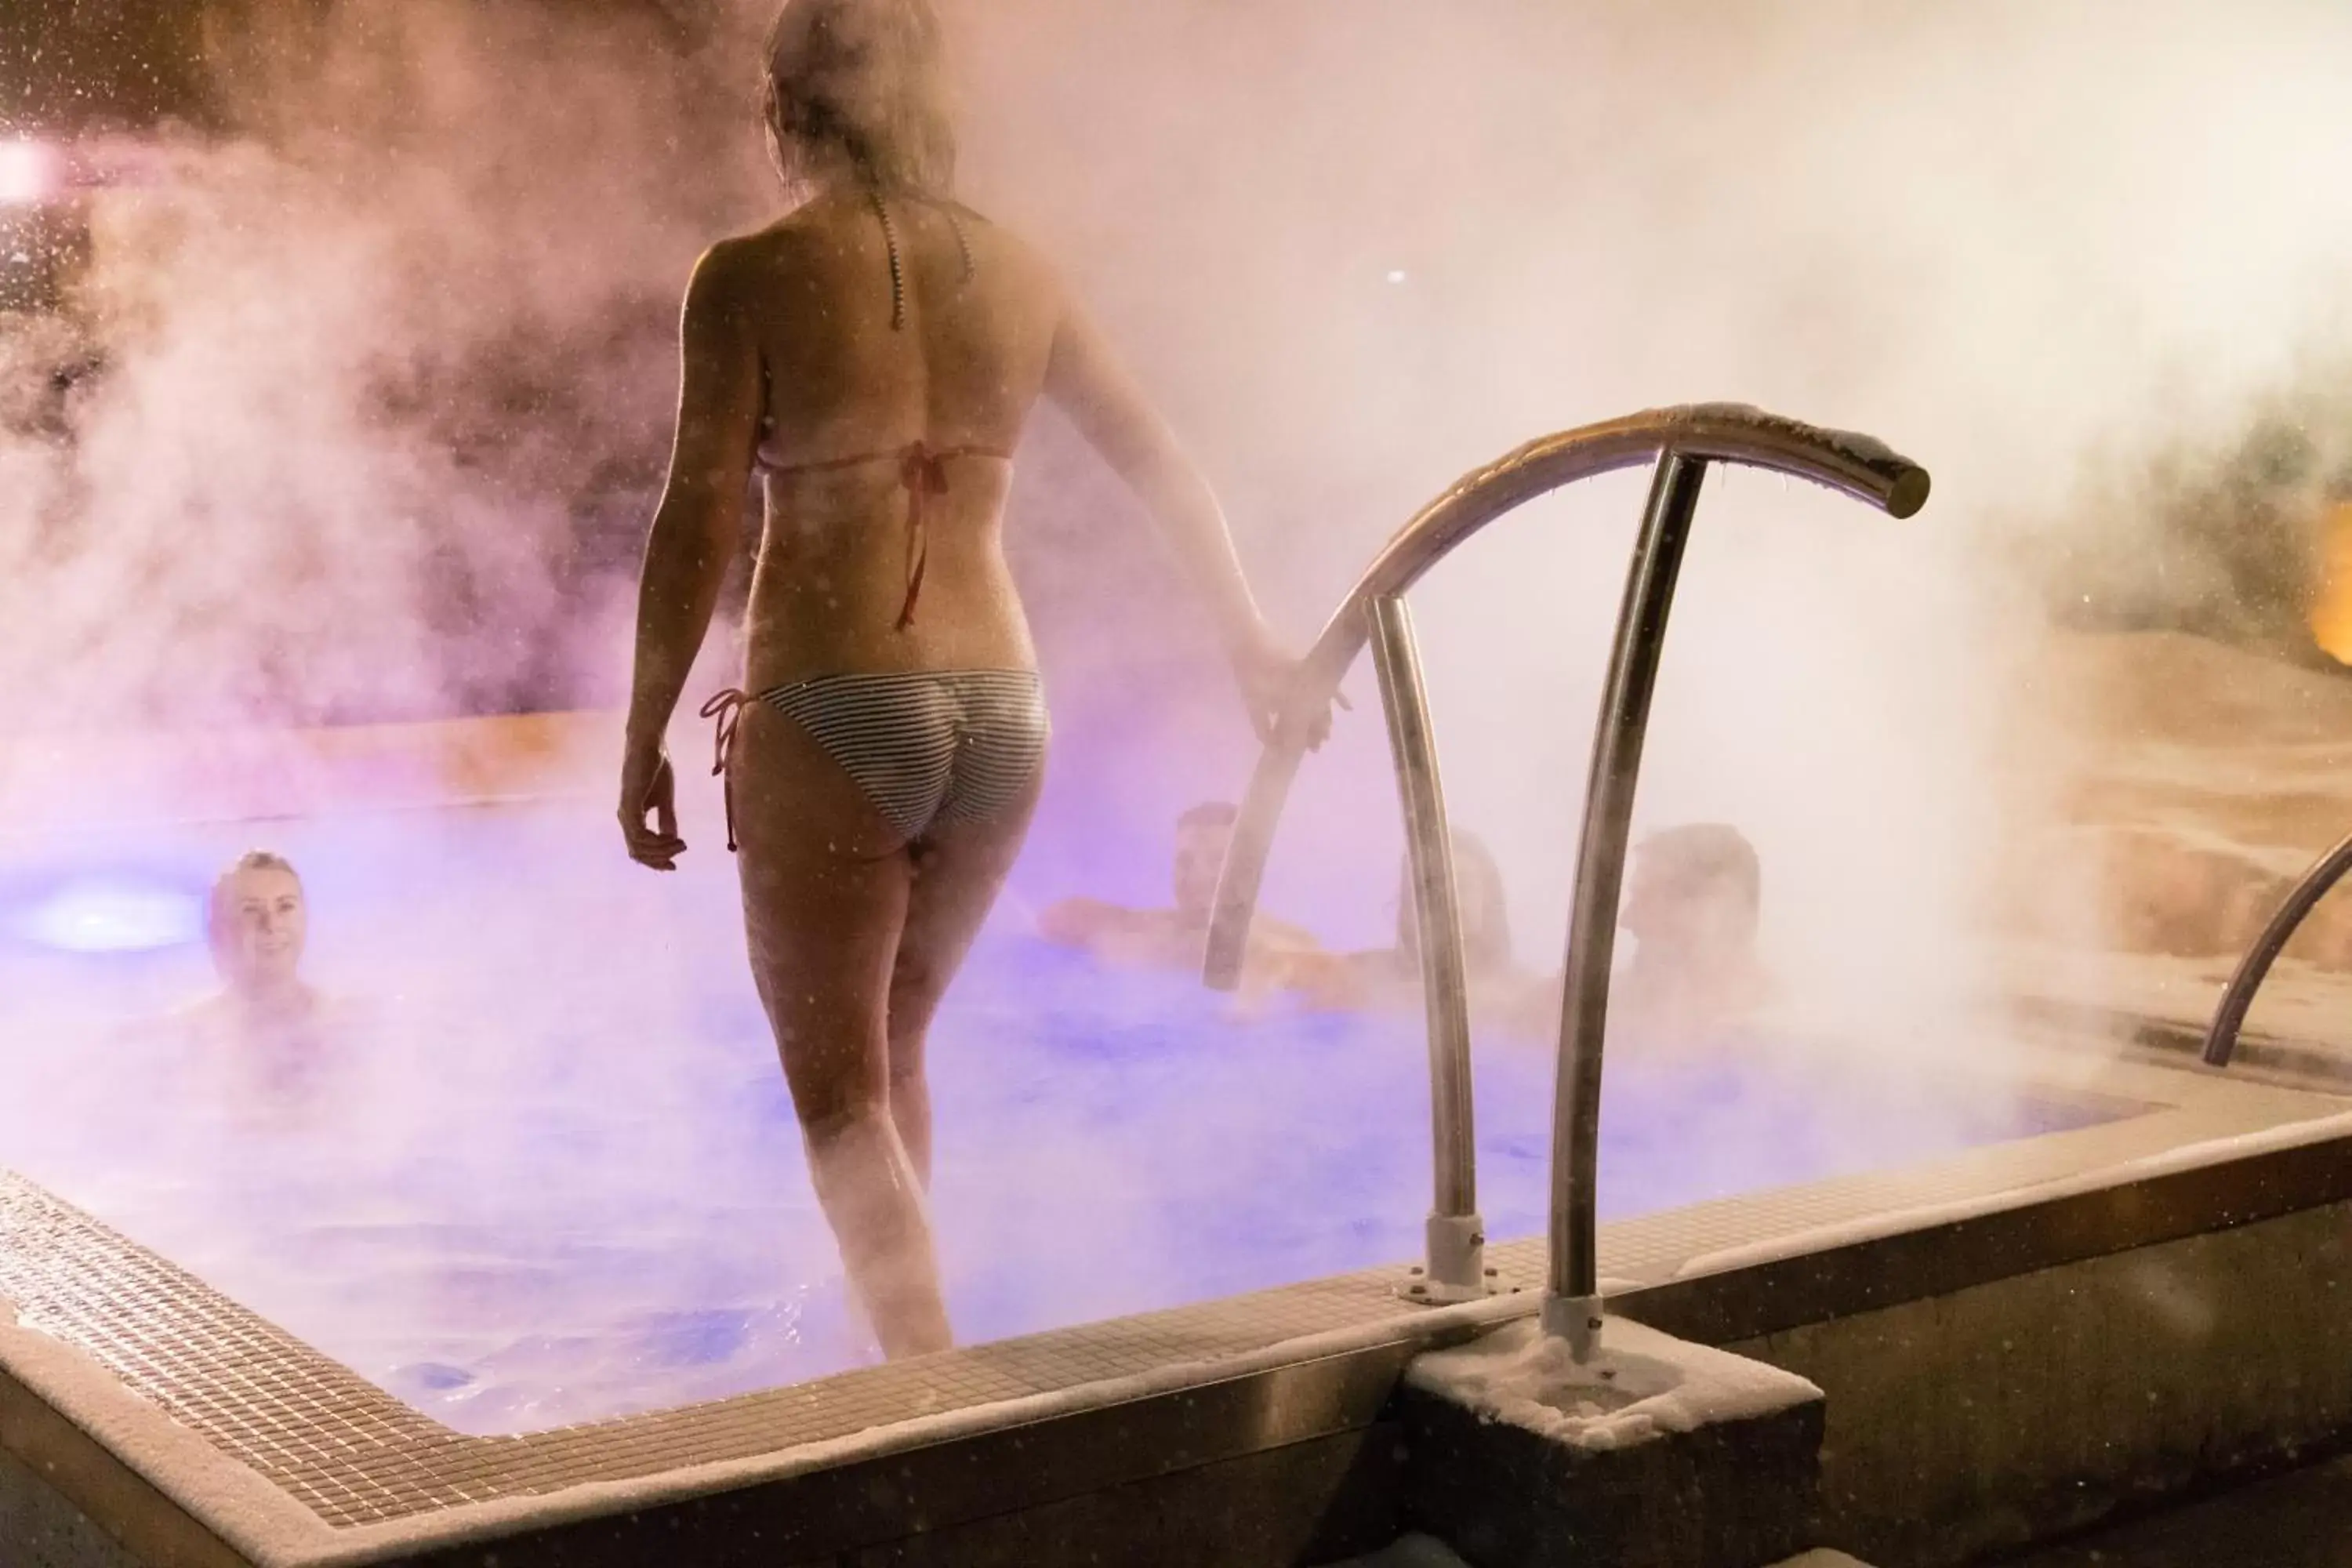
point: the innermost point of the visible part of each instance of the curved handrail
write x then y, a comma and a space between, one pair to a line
1437, 915
1859, 466
2230, 1017
1683, 440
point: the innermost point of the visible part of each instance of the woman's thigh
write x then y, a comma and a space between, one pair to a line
825, 888
959, 871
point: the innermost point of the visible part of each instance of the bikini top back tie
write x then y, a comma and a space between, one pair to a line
923, 470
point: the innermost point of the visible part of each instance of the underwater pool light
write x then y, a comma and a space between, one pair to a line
112, 914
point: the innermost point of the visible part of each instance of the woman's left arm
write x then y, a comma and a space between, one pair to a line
695, 533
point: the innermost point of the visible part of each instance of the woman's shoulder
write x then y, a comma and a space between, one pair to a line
800, 237
792, 237
823, 229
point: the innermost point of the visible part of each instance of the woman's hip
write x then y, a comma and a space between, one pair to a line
918, 747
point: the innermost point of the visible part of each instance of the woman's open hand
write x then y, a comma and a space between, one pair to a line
649, 789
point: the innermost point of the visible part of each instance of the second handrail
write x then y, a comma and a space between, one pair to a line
2230, 1017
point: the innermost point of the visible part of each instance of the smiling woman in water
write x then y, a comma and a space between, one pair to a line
874, 356
257, 922
268, 1041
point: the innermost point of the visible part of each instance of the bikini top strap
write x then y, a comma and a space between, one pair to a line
963, 239
922, 470
947, 209
915, 459
828, 465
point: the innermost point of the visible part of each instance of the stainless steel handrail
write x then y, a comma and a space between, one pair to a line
2230, 1017
1455, 1256
1857, 465
1682, 440
1572, 1301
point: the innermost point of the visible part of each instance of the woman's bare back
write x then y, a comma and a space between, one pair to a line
884, 444
959, 372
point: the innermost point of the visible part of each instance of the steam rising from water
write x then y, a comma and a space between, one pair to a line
387, 373
554, 1175
2003, 238
391, 376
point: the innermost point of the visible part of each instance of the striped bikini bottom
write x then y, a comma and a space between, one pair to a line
926, 746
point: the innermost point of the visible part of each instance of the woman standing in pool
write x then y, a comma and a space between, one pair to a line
875, 354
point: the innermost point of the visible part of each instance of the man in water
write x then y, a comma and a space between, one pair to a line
1173, 938
1691, 906
1389, 978
1691, 903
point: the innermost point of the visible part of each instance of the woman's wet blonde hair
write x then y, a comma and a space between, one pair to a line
860, 81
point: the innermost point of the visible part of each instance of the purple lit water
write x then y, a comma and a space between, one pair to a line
554, 1176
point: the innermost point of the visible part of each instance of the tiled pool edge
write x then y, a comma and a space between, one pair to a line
1227, 1341
230, 1512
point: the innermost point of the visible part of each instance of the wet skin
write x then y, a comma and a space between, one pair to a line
855, 933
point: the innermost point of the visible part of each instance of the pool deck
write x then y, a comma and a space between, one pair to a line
130, 1372
2299, 1032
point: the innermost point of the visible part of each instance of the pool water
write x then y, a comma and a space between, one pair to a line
548, 1171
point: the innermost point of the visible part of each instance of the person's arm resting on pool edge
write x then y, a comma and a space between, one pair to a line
1110, 410
695, 533
1079, 922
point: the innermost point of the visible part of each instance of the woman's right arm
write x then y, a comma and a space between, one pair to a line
694, 536
1110, 410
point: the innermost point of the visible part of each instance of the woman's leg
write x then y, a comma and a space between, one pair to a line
959, 871
825, 893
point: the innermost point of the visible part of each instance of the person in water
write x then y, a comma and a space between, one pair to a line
267, 1028
1390, 977
1173, 938
1691, 902
257, 924
873, 356
1692, 905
